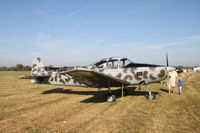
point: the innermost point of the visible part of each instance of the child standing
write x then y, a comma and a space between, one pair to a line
180, 82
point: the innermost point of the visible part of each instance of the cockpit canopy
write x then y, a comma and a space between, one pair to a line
112, 63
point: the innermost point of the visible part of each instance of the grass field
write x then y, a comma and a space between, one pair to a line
25, 107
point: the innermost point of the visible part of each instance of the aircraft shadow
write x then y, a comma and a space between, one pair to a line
164, 90
98, 96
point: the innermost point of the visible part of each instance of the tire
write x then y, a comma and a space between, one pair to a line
111, 98
151, 97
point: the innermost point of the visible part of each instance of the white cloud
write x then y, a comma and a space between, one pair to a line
93, 49
182, 41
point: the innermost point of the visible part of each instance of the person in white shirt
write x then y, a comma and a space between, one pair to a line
172, 81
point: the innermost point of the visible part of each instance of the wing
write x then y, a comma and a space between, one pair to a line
94, 78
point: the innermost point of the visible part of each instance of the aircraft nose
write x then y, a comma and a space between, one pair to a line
169, 69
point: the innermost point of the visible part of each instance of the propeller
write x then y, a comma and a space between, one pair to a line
167, 62
167, 67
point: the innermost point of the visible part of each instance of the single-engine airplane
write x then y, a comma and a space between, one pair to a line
106, 73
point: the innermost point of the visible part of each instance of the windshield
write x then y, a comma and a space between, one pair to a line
100, 64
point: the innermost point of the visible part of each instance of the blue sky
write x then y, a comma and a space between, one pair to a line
79, 32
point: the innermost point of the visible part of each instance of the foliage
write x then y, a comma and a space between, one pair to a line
18, 67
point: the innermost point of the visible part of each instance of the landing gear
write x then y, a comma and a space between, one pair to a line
125, 92
150, 96
110, 97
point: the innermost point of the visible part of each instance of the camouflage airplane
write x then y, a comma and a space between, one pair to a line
106, 73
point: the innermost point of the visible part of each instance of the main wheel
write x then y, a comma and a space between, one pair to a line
111, 98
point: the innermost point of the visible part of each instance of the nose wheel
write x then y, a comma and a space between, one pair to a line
150, 95
110, 97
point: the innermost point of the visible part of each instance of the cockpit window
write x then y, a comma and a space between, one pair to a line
100, 64
124, 62
112, 64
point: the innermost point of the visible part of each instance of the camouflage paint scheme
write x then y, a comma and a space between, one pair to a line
109, 72
40, 76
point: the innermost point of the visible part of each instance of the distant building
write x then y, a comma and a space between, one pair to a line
197, 69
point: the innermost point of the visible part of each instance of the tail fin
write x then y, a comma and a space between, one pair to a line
38, 68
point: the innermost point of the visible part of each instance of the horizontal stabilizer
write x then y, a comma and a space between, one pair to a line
32, 77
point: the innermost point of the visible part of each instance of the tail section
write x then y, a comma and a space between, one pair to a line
38, 68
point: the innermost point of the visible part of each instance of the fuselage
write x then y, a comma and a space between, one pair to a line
136, 75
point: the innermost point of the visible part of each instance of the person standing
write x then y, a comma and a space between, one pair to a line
180, 82
172, 81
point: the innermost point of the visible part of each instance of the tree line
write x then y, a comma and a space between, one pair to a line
18, 67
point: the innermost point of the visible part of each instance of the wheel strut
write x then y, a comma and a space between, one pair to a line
151, 96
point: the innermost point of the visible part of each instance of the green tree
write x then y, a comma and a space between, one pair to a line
19, 67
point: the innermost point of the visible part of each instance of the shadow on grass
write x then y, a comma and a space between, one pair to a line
98, 96
164, 90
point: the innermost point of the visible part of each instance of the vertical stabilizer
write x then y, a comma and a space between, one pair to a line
38, 68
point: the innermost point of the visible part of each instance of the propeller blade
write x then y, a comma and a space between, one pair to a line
167, 62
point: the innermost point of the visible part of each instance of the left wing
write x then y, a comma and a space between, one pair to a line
94, 78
